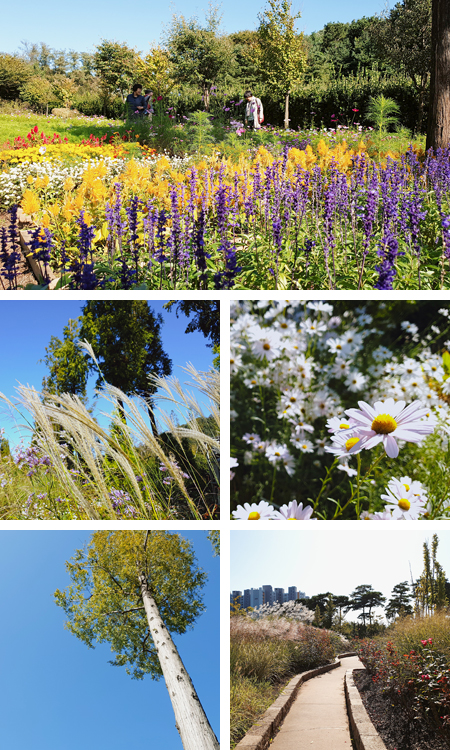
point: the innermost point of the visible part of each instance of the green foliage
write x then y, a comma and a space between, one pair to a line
198, 134
14, 73
115, 64
126, 339
68, 367
206, 317
340, 49
281, 54
430, 589
383, 112
399, 605
200, 55
404, 39
214, 538
104, 601
38, 91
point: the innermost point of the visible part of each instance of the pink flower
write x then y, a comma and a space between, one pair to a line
389, 421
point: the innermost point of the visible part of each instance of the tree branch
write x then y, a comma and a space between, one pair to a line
123, 611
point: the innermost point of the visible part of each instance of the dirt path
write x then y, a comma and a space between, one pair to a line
318, 717
24, 275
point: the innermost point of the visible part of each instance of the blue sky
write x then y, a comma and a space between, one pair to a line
81, 26
60, 695
27, 326
330, 560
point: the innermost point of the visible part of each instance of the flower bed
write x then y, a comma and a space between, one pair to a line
417, 683
316, 217
298, 372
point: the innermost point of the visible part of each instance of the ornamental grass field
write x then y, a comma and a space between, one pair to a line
227, 209
75, 469
340, 410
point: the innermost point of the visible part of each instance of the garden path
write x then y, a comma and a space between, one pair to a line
318, 717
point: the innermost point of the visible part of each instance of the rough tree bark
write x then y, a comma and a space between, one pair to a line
438, 133
191, 721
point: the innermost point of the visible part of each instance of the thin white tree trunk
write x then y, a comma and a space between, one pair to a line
190, 718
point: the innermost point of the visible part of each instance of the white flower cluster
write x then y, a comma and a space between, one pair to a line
305, 355
293, 610
14, 181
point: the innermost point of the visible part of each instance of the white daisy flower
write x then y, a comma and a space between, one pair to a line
255, 512
389, 421
293, 512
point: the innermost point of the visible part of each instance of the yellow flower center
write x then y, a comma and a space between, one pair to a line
254, 516
344, 426
384, 424
351, 442
404, 504
406, 486
266, 347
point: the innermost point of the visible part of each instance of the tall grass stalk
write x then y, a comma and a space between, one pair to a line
127, 457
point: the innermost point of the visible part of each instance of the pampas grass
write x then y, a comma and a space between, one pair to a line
89, 464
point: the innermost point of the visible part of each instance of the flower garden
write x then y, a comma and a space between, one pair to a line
271, 210
340, 410
408, 675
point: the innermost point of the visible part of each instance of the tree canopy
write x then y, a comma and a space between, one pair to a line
104, 602
206, 318
68, 368
282, 51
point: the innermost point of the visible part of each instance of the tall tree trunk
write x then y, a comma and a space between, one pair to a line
151, 415
286, 112
190, 718
438, 133
206, 97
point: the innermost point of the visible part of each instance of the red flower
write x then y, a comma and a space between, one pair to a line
159, 98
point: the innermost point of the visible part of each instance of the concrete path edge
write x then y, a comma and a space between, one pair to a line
364, 733
260, 734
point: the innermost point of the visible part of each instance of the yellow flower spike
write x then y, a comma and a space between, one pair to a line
30, 202
45, 221
69, 184
30, 179
53, 210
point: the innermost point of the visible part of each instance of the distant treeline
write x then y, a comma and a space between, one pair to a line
197, 66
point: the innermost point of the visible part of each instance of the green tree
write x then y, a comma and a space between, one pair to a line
126, 339
214, 538
67, 365
206, 317
38, 91
200, 55
342, 604
115, 64
366, 599
155, 72
132, 589
438, 130
399, 604
430, 589
404, 39
14, 73
282, 51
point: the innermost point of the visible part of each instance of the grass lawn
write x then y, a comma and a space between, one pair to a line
75, 129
